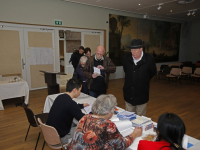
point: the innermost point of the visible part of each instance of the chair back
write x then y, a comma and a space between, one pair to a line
167, 70
187, 70
162, 67
197, 71
30, 115
50, 134
158, 68
176, 71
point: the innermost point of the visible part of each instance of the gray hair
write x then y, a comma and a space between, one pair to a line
83, 59
104, 104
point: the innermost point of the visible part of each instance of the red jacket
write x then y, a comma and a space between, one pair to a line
150, 145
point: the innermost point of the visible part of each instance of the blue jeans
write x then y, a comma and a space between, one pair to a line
94, 94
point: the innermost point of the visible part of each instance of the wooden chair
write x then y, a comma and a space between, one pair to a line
196, 74
51, 136
31, 119
186, 71
174, 73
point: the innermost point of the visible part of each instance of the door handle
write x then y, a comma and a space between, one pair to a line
23, 64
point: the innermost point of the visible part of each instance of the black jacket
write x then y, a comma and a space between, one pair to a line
75, 57
137, 78
79, 75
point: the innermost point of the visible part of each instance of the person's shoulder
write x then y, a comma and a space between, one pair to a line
148, 55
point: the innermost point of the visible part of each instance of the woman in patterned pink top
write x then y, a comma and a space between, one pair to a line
96, 132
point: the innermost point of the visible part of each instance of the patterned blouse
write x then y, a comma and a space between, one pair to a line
98, 134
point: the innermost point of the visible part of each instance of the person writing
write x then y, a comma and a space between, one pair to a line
96, 131
64, 109
170, 132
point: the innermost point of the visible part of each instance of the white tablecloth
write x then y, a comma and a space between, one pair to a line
83, 98
12, 90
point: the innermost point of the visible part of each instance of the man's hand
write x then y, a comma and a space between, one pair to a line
100, 67
94, 75
86, 104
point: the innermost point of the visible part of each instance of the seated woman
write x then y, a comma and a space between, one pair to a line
79, 74
96, 131
170, 132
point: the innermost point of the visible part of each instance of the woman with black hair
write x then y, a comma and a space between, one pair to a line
170, 132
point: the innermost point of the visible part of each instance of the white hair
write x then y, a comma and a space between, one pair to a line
104, 104
83, 59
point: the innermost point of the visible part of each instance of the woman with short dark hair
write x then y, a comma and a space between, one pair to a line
170, 132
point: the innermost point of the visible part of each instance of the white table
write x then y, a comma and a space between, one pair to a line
12, 90
83, 98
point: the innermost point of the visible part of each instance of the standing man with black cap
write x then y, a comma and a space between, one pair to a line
139, 68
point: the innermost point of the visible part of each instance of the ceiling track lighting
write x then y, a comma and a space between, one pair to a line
146, 16
191, 12
160, 6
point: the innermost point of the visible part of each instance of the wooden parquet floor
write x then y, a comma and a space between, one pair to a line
164, 97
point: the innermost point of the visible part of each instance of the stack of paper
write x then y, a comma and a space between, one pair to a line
126, 115
139, 121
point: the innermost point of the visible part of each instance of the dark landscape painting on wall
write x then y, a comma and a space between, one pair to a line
160, 38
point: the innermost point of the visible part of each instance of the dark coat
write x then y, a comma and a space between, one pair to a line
137, 78
75, 57
88, 70
79, 75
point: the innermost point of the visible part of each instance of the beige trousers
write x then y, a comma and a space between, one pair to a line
138, 109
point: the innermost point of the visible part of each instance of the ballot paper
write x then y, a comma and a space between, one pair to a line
88, 109
97, 71
124, 127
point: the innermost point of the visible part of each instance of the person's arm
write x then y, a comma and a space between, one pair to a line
76, 111
122, 141
110, 67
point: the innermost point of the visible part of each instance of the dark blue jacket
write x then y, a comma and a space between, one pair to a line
79, 75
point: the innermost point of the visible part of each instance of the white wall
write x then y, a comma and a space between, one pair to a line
44, 12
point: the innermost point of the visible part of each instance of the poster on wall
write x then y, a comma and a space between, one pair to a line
160, 38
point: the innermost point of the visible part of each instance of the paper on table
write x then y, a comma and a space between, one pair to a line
97, 71
88, 109
124, 127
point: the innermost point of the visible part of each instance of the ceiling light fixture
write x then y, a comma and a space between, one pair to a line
146, 16
193, 12
170, 10
159, 7
189, 13
139, 4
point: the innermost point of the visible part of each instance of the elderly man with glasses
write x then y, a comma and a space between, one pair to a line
97, 70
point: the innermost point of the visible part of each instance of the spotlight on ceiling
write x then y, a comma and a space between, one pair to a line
146, 16
189, 13
193, 12
159, 7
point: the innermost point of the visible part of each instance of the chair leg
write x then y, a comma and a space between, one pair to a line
37, 140
43, 145
27, 132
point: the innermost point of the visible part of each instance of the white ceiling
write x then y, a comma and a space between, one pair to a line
179, 11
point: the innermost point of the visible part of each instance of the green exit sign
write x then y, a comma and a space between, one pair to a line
58, 22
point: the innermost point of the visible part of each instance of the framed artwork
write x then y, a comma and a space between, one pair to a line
160, 39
